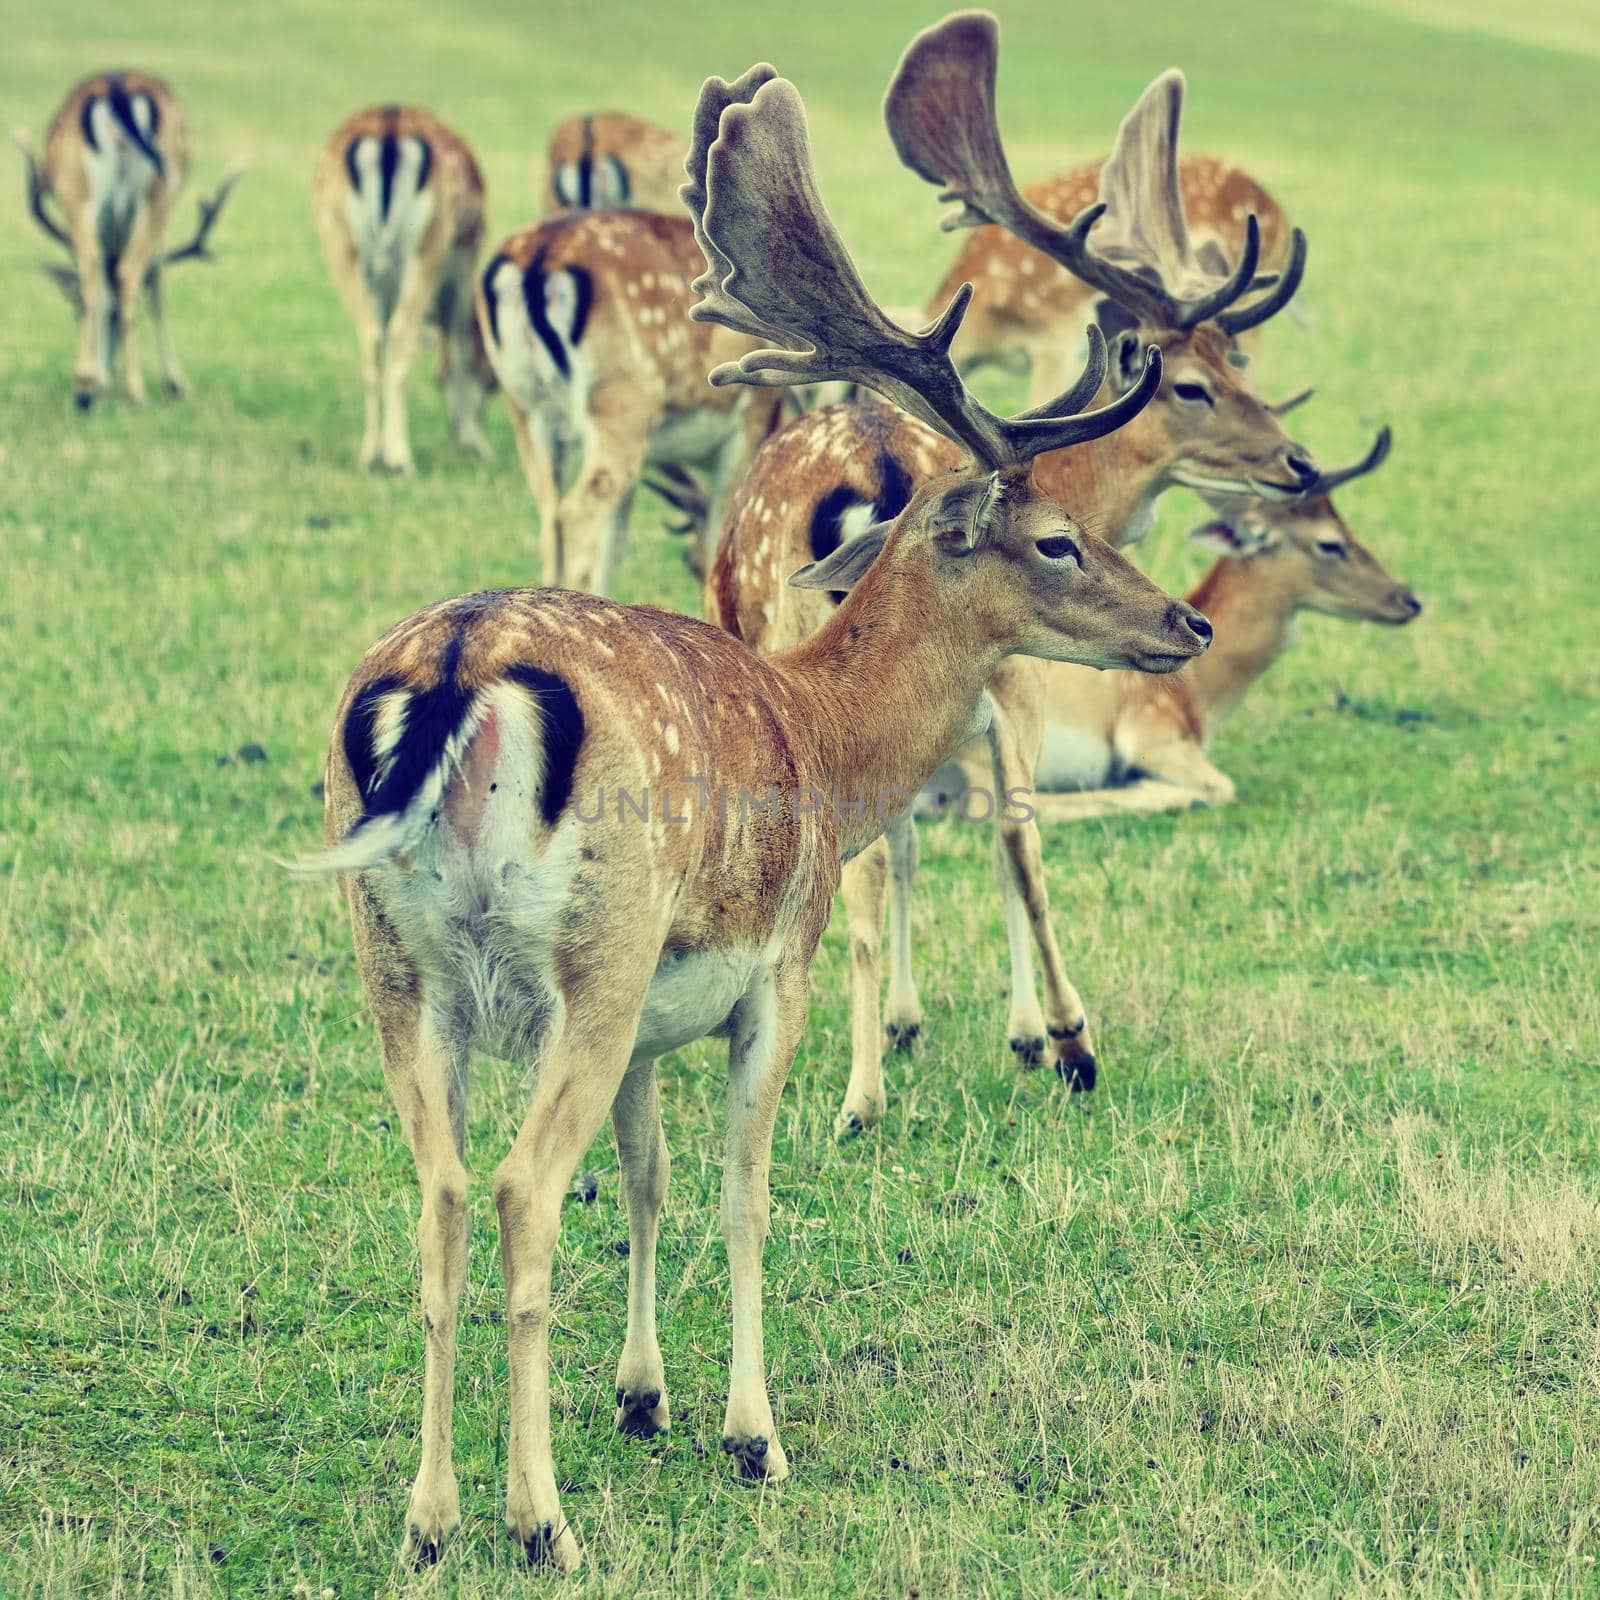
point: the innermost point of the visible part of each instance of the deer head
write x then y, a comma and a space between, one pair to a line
1306, 550
993, 548
1155, 287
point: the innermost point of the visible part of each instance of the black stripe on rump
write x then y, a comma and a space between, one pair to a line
490, 300
120, 103
432, 717
561, 734
388, 165
586, 164
539, 317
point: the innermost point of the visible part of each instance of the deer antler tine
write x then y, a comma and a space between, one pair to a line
1235, 284
1328, 481
39, 190
1081, 392
1033, 436
207, 210
1282, 408
1257, 312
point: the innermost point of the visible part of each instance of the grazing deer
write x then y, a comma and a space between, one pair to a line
115, 157
398, 201
837, 470
1029, 308
613, 162
1134, 746
503, 896
586, 319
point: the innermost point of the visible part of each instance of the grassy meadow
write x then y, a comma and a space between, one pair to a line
1304, 1300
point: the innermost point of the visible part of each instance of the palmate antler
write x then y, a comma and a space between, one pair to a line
940, 111
776, 268
207, 212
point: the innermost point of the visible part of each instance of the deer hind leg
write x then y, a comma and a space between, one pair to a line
593, 512
464, 392
1019, 868
862, 882
537, 451
424, 1064
1186, 765
399, 347
91, 370
580, 1074
767, 1024
172, 378
903, 1015
132, 265
642, 1156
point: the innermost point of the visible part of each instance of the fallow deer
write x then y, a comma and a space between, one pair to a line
586, 319
1029, 309
1129, 745
399, 205
610, 161
116, 156
837, 470
498, 899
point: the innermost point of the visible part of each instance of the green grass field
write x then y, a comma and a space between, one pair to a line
1304, 1301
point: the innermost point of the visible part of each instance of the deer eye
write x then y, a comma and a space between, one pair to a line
1332, 547
1060, 548
1194, 393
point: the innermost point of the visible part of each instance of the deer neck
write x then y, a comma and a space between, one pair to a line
1254, 622
1111, 484
884, 691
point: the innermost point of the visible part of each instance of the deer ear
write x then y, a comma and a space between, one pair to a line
1127, 356
1230, 538
843, 568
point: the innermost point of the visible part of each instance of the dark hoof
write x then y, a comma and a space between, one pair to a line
426, 1550
749, 1455
539, 1547
902, 1035
1078, 1074
1030, 1053
641, 1415
83, 399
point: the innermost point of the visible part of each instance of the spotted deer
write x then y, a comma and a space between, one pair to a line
837, 470
610, 161
1127, 744
503, 895
586, 319
116, 157
399, 206
1029, 310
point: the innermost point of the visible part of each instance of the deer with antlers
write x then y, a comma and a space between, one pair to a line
1029, 306
835, 471
1127, 744
116, 156
399, 206
610, 161
586, 319
501, 896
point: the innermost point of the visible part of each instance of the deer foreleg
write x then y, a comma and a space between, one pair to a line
862, 883
642, 1157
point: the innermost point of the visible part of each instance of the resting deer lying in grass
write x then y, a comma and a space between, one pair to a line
1134, 745
115, 158
835, 471
398, 201
586, 319
613, 162
1029, 309
503, 896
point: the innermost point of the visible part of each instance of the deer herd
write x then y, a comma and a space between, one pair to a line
578, 835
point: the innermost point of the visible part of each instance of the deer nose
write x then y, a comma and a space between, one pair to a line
1408, 602
1187, 619
1298, 460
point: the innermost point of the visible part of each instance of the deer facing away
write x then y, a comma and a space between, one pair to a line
586, 319
116, 157
610, 161
399, 206
495, 902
